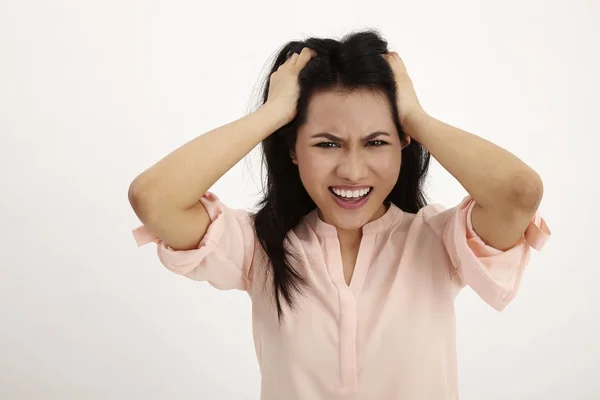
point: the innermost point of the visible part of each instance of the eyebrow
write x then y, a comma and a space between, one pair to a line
334, 138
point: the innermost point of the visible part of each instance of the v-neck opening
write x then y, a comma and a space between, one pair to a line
335, 263
365, 250
354, 266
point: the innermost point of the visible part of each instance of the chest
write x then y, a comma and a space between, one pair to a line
345, 328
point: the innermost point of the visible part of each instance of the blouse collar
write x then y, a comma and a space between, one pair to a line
380, 224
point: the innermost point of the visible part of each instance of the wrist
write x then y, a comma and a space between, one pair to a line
275, 114
413, 123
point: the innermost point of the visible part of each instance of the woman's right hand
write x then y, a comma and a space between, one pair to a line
284, 88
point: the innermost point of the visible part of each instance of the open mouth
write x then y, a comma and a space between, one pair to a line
351, 195
351, 199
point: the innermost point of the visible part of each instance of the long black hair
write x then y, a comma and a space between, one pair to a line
351, 63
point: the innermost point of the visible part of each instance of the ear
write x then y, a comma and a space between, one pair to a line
293, 157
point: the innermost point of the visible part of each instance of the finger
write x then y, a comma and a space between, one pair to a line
305, 56
394, 57
286, 63
400, 63
291, 60
397, 56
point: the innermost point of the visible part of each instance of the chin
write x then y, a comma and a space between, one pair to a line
350, 219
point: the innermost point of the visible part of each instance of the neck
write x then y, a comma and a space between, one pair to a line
349, 238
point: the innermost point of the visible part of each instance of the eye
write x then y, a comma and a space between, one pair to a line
373, 143
377, 143
326, 144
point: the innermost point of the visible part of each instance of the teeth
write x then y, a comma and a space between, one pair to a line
351, 193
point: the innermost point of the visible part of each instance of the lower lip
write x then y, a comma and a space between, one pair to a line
352, 204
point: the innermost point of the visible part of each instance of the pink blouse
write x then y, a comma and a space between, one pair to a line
390, 333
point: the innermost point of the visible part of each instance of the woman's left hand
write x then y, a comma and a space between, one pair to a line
408, 103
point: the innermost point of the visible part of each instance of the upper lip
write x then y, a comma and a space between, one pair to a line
350, 187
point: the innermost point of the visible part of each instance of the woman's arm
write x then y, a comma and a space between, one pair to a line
507, 191
179, 180
166, 197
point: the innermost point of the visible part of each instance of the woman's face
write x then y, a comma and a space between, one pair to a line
348, 147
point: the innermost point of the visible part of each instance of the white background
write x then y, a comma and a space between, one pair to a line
93, 93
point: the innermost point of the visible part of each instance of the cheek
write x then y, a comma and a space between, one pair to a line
313, 168
388, 170
387, 164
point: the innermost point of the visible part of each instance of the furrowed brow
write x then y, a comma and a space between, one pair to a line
332, 137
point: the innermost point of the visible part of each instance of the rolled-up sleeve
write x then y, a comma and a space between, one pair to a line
224, 255
495, 275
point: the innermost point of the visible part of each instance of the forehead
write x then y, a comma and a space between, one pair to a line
348, 113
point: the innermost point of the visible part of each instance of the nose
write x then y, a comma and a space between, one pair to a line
352, 167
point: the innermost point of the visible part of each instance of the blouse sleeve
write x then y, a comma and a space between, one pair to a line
224, 255
493, 274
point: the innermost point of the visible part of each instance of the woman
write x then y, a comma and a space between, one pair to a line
352, 276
